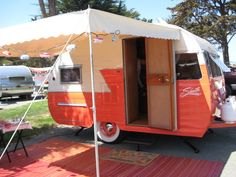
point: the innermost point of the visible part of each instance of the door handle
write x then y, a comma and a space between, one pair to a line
163, 78
167, 80
159, 79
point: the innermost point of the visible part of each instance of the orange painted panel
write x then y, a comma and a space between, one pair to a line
69, 115
194, 108
73, 108
194, 104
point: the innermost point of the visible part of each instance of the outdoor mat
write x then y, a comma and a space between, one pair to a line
59, 157
131, 157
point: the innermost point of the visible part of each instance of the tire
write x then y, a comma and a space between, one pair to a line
228, 90
108, 132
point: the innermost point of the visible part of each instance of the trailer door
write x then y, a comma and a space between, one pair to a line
160, 84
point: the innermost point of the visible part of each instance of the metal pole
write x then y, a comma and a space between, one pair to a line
0, 89
94, 106
32, 101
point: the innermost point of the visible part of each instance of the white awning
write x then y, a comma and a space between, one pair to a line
86, 21
221, 64
191, 43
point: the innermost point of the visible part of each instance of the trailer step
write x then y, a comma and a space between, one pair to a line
139, 142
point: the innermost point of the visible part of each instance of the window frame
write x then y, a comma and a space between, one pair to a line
78, 66
211, 71
197, 63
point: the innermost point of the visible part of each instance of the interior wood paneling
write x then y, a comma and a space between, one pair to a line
131, 87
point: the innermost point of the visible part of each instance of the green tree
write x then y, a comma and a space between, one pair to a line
32, 62
47, 8
54, 7
113, 6
214, 20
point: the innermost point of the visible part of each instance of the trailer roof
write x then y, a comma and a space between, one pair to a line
12, 71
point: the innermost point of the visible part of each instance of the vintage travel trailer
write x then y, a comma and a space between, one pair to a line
152, 78
142, 84
16, 81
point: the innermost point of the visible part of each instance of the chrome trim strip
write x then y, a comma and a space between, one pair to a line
72, 104
174, 89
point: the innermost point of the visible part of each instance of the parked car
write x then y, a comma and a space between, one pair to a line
230, 81
16, 81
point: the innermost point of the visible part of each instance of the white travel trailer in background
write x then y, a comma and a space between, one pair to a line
16, 81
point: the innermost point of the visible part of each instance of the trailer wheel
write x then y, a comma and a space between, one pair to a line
108, 132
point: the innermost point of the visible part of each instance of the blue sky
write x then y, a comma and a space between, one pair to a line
20, 11
151, 9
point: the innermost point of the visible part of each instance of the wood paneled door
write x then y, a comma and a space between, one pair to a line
160, 84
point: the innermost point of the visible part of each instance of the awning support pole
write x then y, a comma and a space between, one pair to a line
32, 101
94, 105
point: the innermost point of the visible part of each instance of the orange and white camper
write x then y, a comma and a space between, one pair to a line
141, 84
152, 78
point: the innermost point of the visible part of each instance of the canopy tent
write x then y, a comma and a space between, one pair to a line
49, 34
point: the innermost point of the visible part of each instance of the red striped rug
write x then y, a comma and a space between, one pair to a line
57, 157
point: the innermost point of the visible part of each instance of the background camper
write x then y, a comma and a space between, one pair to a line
16, 81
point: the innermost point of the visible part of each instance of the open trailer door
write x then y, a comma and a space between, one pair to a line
149, 83
160, 84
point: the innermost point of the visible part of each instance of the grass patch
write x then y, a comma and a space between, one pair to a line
38, 116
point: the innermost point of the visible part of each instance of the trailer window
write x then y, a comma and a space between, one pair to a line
187, 66
71, 74
213, 68
20, 78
